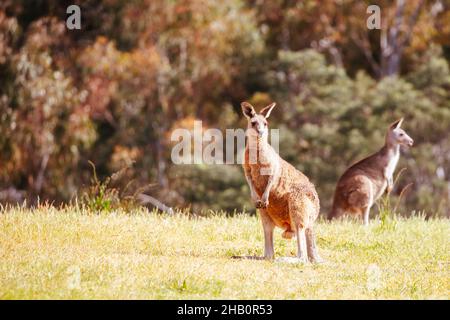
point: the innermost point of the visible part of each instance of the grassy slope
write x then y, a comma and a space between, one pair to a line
52, 253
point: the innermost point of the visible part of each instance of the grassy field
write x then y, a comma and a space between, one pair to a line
69, 254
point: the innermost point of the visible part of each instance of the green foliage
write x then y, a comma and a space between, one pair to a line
338, 120
212, 187
115, 91
102, 196
99, 196
386, 214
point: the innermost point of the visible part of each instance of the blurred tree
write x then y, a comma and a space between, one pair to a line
339, 29
336, 118
43, 126
114, 91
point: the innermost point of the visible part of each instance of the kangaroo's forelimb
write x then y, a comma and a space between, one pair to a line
253, 193
264, 202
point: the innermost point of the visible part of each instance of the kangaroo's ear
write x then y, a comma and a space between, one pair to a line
248, 110
396, 124
267, 110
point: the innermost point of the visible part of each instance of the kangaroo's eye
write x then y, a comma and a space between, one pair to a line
253, 124
401, 134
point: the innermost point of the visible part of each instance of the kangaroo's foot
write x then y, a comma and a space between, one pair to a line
316, 259
291, 260
301, 259
269, 257
261, 204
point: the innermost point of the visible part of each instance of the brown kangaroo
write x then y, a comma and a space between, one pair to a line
284, 196
365, 181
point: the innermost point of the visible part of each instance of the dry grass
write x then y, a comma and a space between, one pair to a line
70, 254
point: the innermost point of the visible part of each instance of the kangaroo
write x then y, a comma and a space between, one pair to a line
284, 196
365, 181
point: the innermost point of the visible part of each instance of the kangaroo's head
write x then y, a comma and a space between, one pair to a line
257, 122
398, 136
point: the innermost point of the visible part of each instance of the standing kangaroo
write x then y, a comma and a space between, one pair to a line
365, 181
284, 196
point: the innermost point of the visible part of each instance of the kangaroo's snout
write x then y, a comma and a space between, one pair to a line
407, 140
261, 131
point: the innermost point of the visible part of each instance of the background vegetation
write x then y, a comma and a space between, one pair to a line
113, 91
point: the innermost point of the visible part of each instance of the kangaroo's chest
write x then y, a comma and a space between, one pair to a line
388, 173
260, 176
391, 165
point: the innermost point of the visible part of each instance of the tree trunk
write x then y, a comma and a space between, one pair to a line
393, 41
161, 163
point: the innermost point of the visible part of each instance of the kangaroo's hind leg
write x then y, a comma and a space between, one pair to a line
361, 199
301, 208
268, 227
302, 253
366, 212
311, 246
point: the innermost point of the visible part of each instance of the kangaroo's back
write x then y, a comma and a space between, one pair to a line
371, 166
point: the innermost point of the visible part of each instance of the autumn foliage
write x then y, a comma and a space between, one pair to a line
112, 92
